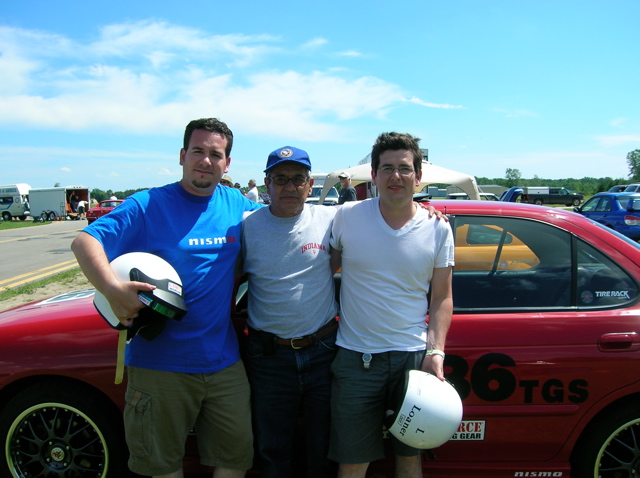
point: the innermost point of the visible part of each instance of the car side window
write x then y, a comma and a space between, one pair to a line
600, 281
591, 205
604, 205
510, 263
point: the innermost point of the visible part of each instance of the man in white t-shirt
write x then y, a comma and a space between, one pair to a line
252, 193
392, 255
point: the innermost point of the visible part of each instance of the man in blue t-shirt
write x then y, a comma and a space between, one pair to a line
191, 374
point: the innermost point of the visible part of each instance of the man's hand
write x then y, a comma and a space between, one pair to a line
434, 364
432, 210
124, 301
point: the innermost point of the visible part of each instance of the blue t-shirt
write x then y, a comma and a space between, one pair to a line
200, 237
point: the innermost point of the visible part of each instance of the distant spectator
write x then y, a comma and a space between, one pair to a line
81, 209
237, 186
348, 192
73, 202
113, 196
226, 181
252, 193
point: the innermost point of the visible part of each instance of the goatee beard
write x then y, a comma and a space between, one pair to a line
202, 184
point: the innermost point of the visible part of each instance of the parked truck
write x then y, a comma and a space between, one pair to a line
14, 201
551, 195
53, 204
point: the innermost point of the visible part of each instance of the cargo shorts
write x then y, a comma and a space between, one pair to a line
163, 407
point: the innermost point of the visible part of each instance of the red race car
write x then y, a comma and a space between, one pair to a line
544, 350
102, 208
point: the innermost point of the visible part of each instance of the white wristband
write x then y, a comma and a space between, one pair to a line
435, 352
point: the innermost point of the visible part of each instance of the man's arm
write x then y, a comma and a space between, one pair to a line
336, 260
122, 296
440, 312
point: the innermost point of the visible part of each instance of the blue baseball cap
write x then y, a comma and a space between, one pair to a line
288, 153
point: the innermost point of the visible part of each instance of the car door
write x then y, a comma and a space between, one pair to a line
531, 348
598, 208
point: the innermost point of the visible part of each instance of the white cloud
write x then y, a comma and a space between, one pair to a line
616, 122
315, 43
153, 77
420, 102
618, 140
350, 53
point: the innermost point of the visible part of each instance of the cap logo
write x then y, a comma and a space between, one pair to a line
285, 153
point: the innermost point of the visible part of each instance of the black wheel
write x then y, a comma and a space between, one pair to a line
610, 447
51, 216
538, 202
6, 216
576, 202
43, 217
55, 430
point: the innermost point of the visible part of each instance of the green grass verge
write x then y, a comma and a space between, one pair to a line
69, 277
16, 224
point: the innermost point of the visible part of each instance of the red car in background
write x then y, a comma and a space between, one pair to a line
102, 208
544, 350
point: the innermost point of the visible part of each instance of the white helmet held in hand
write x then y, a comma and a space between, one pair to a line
164, 302
429, 414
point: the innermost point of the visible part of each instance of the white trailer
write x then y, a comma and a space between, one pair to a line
54, 204
14, 201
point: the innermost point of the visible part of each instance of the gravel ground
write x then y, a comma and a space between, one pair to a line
43, 292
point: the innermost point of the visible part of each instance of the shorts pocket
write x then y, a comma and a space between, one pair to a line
138, 421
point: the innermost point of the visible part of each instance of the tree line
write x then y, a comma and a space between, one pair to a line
100, 195
587, 186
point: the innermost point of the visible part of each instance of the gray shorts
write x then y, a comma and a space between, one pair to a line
162, 408
360, 399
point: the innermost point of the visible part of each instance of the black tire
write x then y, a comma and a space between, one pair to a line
576, 202
51, 216
6, 216
55, 429
538, 202
610, 446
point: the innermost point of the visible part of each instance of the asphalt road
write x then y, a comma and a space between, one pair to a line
34, 253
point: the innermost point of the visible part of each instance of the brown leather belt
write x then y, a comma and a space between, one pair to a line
305, 341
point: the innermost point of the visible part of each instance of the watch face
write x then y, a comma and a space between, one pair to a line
366, 357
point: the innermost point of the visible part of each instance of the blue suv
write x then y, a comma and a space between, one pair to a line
619, 211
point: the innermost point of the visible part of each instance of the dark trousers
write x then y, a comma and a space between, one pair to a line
288, 385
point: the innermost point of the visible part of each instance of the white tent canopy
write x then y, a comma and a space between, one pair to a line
431, 174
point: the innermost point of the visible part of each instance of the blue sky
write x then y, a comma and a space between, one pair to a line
97, 93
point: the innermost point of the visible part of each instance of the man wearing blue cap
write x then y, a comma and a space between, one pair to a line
292, 318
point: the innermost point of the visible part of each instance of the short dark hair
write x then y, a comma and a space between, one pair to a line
394, 141
213, 125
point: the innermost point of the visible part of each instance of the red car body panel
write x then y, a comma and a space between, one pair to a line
530, 381
104, 207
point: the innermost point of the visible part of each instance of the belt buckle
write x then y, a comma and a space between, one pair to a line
293, 346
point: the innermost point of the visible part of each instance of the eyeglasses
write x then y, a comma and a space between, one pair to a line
402, 170
284, 180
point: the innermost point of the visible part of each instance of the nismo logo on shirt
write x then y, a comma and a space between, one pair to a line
212, 241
